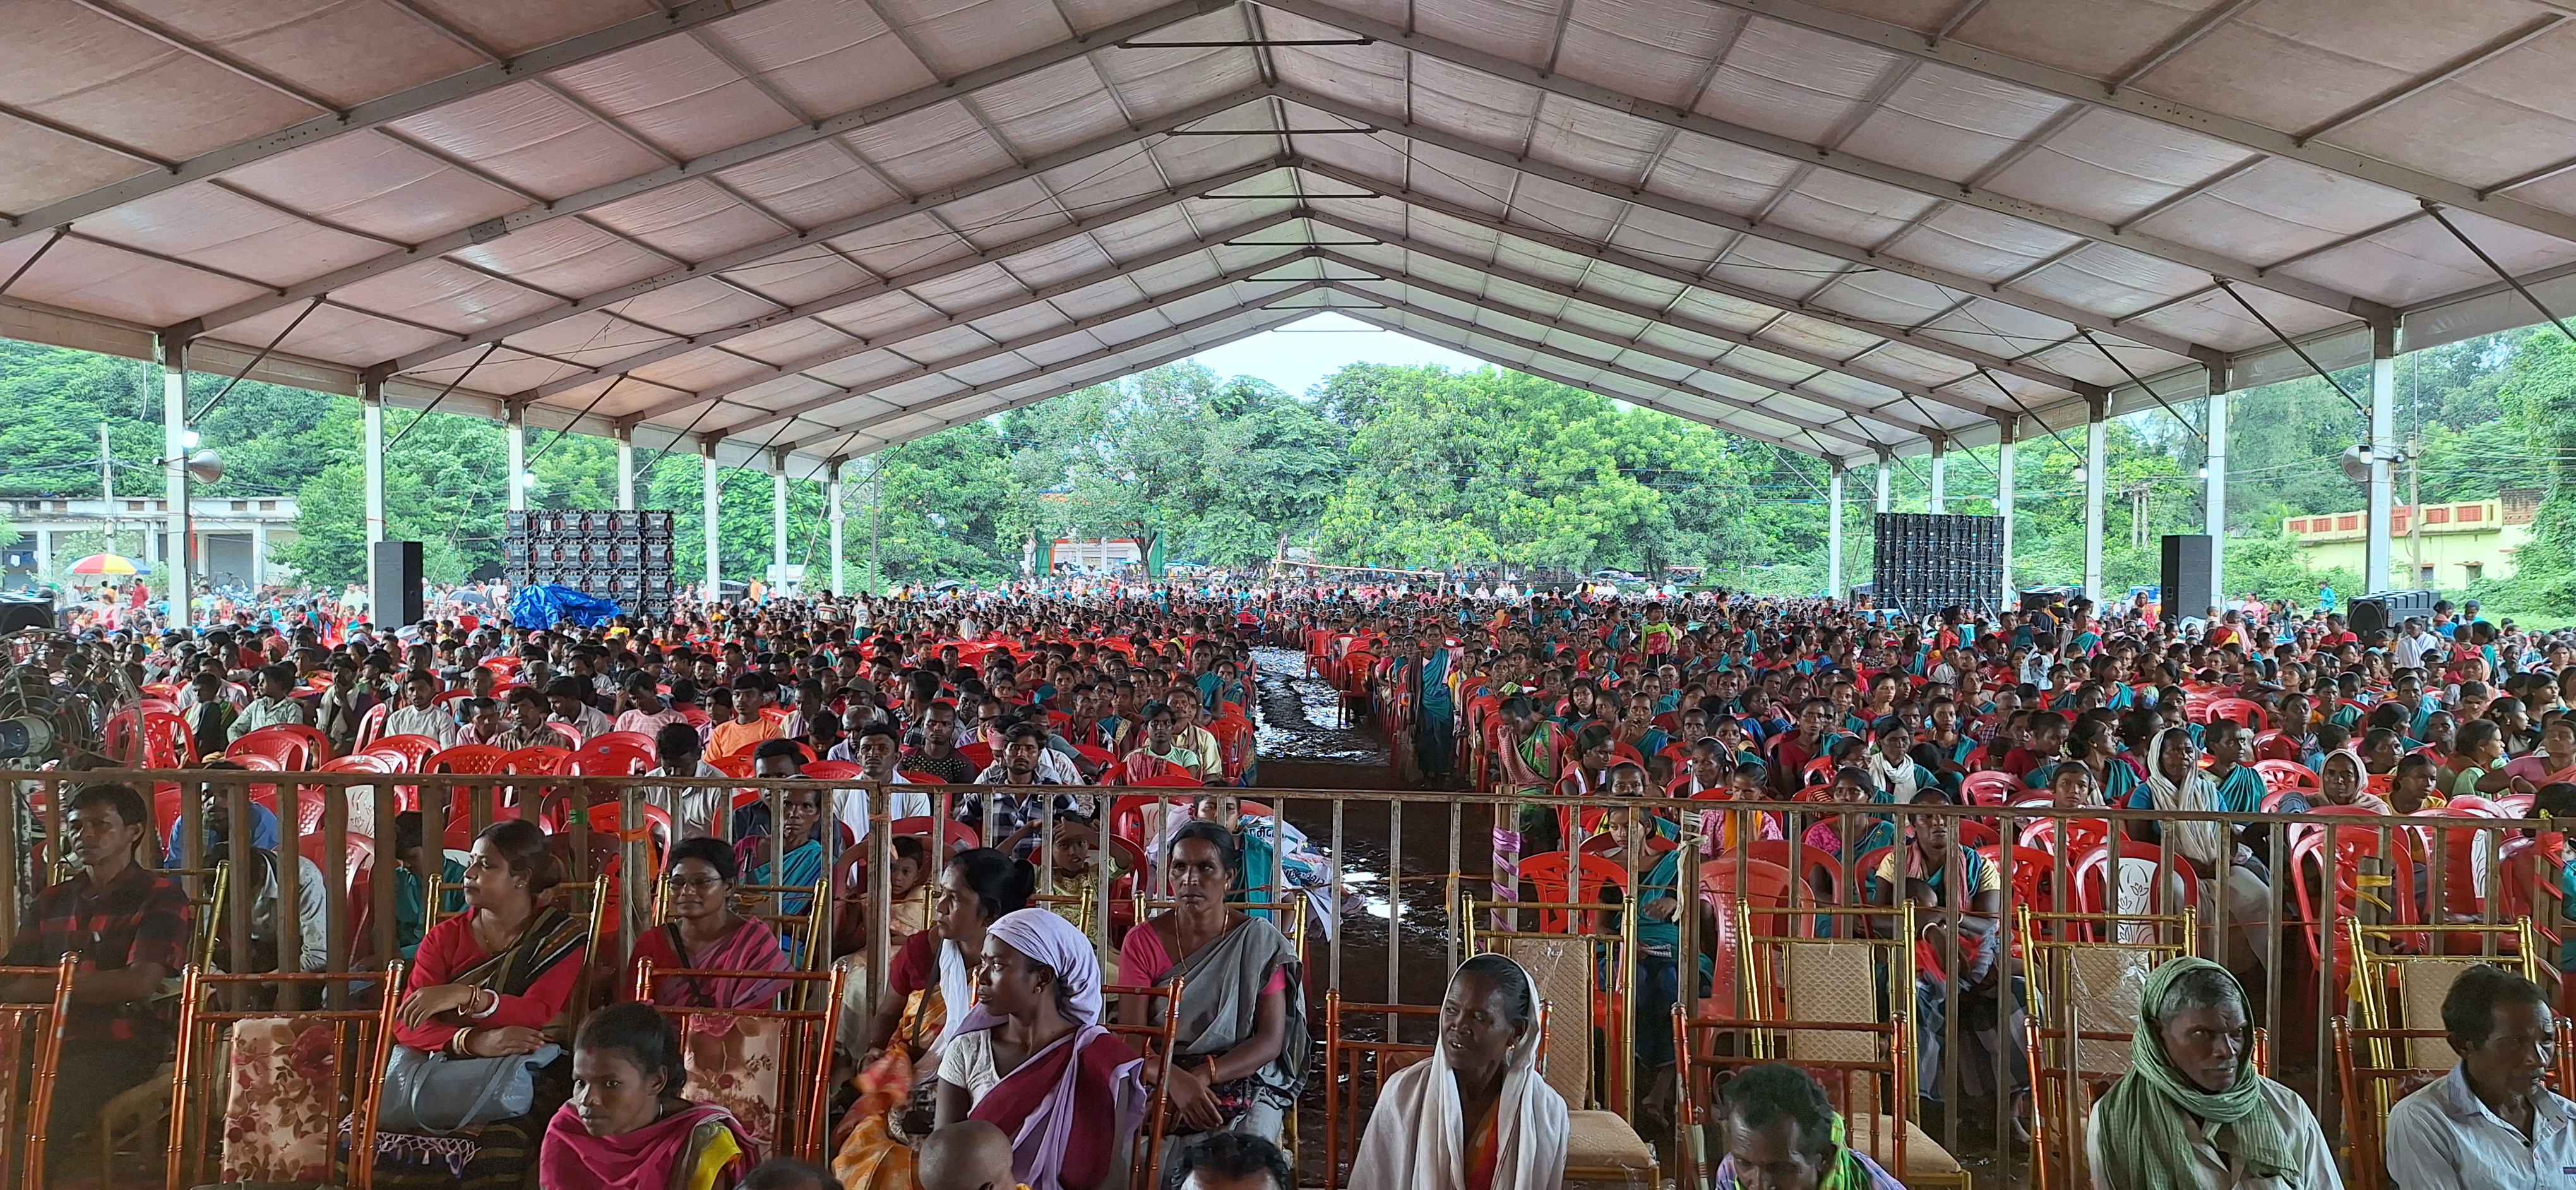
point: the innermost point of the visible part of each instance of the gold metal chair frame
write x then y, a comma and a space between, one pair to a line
1344, 1057
2390, 1051
805, 1120
35, 1097
1146, 1173
1611, 983
2054, 1036
365, 1045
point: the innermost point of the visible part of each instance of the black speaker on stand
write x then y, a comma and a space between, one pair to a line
2186, 575
397, 598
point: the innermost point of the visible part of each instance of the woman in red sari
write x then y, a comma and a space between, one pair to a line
627, 1126
1032, 1059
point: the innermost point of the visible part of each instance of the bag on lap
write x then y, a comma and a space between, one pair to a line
430, 1094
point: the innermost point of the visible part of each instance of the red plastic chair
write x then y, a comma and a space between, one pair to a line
411, 752
141, 737
1820, 868
738, 765
2279, 775
2093, 870
978, 754
2309, 862
293, 752
1547, 874
954, 836
631, 739
834, 770
1990, 787
2082, 834
465, 758
607, 757
2272, 745
2238, 710
570, 733
371, 726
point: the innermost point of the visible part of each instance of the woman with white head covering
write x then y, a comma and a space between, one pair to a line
1477, 1116
1032, 1059
2344, 781
2175, 782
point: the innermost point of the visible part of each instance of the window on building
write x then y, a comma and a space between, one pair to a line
2472, 571
241, 506
2424, 579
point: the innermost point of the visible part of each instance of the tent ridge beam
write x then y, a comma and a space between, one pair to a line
1967, 193
1082, 225
1681, 322
1182, 329
1683, 208
1970, 358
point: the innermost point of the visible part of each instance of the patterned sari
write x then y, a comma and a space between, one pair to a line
498, 1155
878, 1153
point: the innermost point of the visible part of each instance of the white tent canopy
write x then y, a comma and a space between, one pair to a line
796, 231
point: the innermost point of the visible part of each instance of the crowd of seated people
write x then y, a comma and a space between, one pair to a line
1029, 706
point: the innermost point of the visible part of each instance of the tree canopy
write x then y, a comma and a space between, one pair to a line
1410, 467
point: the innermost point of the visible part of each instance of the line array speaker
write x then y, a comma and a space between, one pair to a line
1929, 561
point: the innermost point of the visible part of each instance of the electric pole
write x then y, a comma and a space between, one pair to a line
107, 484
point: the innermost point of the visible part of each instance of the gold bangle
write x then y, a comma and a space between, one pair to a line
456, 1043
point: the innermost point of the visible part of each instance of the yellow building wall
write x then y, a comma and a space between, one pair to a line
2458, 544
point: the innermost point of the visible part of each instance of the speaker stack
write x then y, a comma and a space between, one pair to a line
620, 556
2187, 590
1929, 561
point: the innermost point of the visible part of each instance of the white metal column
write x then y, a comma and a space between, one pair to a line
1940, 498
1834, 532
1886, 480
259, 554
835, 516
174, 434
778, 526
517, 434
2214, 517
2095, 452
715, 550
371, 449
44, 555
626, 470
2004, 500
2383, 458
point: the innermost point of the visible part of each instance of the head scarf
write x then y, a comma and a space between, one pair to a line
1051, 940
1045, 1133
2202, 841
2152, 1107
2360, 773
1418, 1133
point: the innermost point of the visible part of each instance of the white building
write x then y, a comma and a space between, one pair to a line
234, 537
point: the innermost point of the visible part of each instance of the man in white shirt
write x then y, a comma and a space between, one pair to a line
874, 749
420, 713
2492, 1123
569, 698
2416, 645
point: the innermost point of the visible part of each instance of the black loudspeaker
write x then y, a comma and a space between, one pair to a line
21, 612
2186, 576
2367, 616
397, 597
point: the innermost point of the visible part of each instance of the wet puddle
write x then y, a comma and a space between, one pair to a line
1298, 713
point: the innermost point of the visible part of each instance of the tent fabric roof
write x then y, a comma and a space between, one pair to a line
807, 229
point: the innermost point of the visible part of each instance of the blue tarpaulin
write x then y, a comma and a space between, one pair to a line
547, 606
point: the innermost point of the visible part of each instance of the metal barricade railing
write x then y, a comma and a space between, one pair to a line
1391, 870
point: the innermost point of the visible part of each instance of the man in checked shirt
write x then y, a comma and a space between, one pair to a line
129, 925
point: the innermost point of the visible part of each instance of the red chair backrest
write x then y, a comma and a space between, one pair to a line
834, 770
291, 752
631, 739
2238, 710
606, 757
1547, 875
1990, 787
465, 758
2093, 869
978, 754
2286, 774
415, 750
954, 836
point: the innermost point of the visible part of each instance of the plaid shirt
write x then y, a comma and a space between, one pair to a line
139, 917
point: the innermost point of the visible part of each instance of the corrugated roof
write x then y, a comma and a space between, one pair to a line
821, 226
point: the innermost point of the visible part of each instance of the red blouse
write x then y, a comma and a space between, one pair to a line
448, 949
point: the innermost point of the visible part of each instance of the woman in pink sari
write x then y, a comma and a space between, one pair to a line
627, 1127
2554, 761
705, 934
